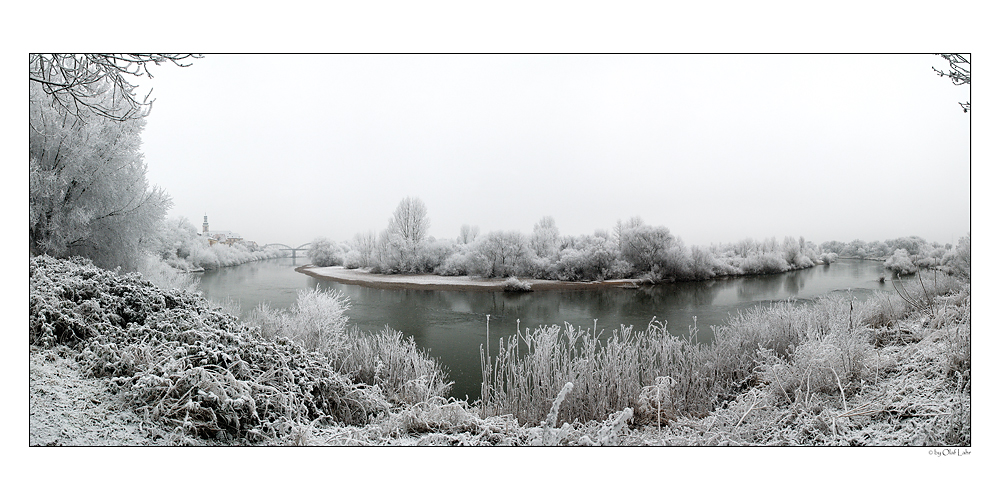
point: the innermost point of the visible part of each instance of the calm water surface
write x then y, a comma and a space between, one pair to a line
451, 325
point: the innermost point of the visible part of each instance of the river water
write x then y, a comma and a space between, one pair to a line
451, 325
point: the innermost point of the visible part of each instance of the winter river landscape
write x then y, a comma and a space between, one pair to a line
451, 325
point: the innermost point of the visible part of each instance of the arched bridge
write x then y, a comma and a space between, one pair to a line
294, 250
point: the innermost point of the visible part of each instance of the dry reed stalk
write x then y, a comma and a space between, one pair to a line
752, 406
842, 397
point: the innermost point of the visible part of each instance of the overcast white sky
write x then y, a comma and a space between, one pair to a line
286, 148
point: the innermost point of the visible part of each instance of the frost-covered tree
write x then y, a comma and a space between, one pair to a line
545, 238
502, 253
900, 262
790, 249
621, 227
467, 234
704, 265
174, 240
641, 245
404, 236
409, 221
362, 251
87, 188
962, 260
745, 247
590, 258
324, 253
832, 247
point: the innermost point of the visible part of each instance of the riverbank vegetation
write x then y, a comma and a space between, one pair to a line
888, 370
632, 250
904, 256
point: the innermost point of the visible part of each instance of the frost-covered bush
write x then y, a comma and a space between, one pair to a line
210, 256
432, 254
460, 263
354, 259
165, 275
513, 284
767, 263
179, 358
840, 361
960, 259
501, 254
620, 268
173, 240
318, 321
704, 265
802, 261
900, 263
641, 246
828, 258
393, 362
324, 253
791, 250
673, 263
590, 258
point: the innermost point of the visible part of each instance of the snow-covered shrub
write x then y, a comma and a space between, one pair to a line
704, 265
513, 284
620, 268
900, 263
641, 246
460, 263
208, 256
802, 262
354, 259
179, 358
318, 320
501, 254
394, 363
167, 276
838, 361
673, 263
766, 263
324, 253
961, 260
432, 253
589, 259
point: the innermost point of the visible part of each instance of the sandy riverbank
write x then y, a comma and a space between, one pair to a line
435, 282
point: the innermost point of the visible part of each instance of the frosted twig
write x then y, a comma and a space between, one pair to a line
842, 397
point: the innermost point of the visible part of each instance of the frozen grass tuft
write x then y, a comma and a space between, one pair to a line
531, 371
384, 359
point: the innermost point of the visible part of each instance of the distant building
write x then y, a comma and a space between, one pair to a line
219, 235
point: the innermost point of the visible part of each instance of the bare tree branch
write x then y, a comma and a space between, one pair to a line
960, 73
80, 83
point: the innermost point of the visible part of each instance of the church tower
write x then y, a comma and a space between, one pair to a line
204, 226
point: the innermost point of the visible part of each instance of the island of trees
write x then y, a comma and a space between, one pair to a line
632, 249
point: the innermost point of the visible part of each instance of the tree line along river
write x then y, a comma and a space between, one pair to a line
451, 325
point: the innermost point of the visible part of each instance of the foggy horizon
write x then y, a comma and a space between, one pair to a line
715, 148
